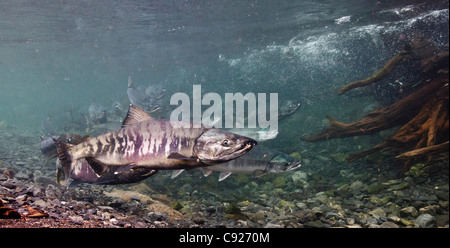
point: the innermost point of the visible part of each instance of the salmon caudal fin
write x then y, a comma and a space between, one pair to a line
65, 158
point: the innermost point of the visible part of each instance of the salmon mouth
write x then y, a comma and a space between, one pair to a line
249, 145
293, 166
154, 109
242, 149
234, 153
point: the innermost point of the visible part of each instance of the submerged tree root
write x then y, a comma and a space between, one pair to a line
423, 115
428, 127
380, 119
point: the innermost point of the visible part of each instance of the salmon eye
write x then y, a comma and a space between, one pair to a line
225, 143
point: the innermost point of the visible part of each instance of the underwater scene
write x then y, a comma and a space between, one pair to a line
235, 114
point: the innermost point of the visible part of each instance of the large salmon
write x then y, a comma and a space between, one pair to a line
154, 144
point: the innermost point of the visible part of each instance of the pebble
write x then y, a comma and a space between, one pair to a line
135, 198
271, 225
377, 213
9, 184
432, 209
425, 220
53, 192
300, 179
21, 198
442, 195
114, 221
315, 224
357, 186
303, 199
198, 220
353, 226
77, 219
3, 178
43, 180
409, 211
106, 216
442, 220
301, 205
41, 203
21, 175
389, 224
329, 215
106, 208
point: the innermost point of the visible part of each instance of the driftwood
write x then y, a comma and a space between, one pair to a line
419, 49
423, 115
387, 68
428, 127
430, 150
380, 119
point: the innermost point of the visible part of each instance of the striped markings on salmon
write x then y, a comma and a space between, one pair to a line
144, 142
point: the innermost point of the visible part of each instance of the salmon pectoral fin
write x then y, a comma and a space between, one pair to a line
183, 159
98, 167
259, 173
176, 155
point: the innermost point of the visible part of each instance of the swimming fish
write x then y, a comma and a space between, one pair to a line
258, 134
258, 162
83, 173
97, 113
149, 100
135, 96
154, 144
47, 126
287, 108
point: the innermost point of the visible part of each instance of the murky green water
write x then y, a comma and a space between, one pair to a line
57, 58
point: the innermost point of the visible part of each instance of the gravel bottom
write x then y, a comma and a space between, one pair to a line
335, 195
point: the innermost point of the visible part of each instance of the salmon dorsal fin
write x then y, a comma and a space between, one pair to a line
135, 115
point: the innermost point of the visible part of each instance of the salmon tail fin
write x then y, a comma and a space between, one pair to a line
65, 159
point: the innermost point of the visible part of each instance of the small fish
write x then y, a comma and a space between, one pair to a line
149, 100
258, 134
287, 108
153, 144
258, 162
97, 113
117, 109
135, 96
155, 91
47, 126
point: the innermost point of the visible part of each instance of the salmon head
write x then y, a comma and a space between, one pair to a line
216, 146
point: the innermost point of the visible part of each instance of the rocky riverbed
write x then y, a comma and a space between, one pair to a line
334, 194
